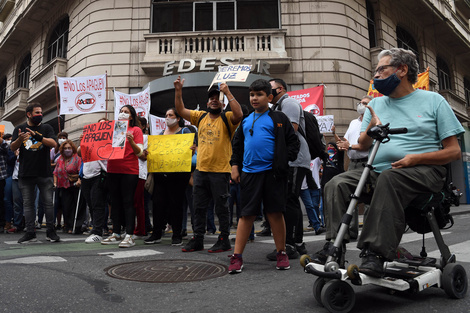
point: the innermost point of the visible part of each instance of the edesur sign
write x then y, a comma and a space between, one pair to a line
209, 64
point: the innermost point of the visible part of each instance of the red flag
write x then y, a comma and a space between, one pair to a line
311, 99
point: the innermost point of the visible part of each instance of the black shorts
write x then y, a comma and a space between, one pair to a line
265, 188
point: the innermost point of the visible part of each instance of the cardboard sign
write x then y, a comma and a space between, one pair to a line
231, 73
170, 153
139, 101
2, 130
325, 123
98, 139
79, 95
311, 99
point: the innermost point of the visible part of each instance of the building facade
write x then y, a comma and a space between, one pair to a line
140, 43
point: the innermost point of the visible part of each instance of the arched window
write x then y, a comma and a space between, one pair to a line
23, 73
443, 74
406, 41
57, 46
466, 88
371, 25
3, 92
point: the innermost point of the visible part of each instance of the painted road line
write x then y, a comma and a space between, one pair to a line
35, 260
461, 251
130, 253
27, 243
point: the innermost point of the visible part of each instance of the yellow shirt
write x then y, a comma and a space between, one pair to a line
214, 145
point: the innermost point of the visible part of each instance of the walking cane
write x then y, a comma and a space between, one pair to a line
76, 210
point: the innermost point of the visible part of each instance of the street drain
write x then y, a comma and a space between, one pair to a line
167, 271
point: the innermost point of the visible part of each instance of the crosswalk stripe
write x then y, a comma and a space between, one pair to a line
460, 250
35, 260
130, 253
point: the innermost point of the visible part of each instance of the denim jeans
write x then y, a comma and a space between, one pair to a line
45, 186
8, 200
311, 199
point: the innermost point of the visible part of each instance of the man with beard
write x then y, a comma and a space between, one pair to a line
34, 140
212, 174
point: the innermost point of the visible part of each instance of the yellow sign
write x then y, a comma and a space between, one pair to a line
170, 153
422, 83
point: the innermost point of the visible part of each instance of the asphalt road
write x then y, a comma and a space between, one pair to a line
70, 276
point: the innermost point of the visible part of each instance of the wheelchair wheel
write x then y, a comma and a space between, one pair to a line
454, 281
317, 288
338, 296
304, 260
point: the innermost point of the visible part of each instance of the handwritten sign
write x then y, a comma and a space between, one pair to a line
231, 73
325, 123
97, 142
170, 153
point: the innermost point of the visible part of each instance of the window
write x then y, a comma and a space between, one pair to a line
371, 25
57, 47
23, 74
3, 92
184, 15
466, 88
406, 41
443, 74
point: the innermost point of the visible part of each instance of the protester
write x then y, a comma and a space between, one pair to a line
123, 176
169, 190
262, 148
139, 201
34, 140
408, 165
212, 174
55, 154
8, 193
311, 197
67, 182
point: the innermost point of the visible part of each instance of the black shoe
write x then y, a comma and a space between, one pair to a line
320, 256
372, 264
152, 239
195, 244
52, 236
320, 230
264, 232
290, 250
301, 249
222, 244
176, 241
28, 237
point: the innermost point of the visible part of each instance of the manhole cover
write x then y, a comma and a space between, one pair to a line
167, 271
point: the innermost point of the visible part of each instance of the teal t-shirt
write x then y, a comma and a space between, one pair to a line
428, 117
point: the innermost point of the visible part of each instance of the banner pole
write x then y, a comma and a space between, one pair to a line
57, 100
106, 94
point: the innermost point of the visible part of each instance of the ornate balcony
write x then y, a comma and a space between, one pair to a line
15, 105
457, 103
234, 46
42, 86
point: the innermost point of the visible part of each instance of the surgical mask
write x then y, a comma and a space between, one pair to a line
361, 109
61, 141
215, 111
170, 121
36, 119
68, 153
387, 85
8, 142
123, 116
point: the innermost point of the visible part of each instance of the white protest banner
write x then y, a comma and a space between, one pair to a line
157, 124
79, 95
139, 101
231, 73
325, 123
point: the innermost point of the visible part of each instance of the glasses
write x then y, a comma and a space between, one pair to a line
363, 103
380, 69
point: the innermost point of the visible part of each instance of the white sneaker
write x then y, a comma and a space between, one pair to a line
127, 242
137, 237
114, 239
93, 239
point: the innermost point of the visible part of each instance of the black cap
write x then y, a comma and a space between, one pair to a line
212, 92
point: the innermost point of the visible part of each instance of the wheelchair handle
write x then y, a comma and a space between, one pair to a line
402, 130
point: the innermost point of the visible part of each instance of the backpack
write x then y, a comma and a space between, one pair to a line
224, 118
315, 140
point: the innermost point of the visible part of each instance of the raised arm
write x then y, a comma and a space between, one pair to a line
179, 105
237, 115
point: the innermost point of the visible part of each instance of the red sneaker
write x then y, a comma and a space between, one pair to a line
236, 264
282, 261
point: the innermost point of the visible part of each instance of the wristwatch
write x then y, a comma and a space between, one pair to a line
350, 147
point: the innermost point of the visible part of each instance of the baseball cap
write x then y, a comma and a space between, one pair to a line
213, 91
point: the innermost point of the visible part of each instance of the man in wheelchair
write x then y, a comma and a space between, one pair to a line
410, 165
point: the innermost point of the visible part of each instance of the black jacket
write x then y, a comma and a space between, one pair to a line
286, 146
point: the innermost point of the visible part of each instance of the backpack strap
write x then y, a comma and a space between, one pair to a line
224, 118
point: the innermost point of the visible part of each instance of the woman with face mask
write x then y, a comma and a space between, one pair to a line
55, 154
169, 190
67, 182
122, 179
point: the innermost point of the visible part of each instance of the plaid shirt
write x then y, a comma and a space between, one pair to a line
3, 160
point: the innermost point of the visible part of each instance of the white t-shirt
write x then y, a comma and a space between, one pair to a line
352, 135
143, 164
315, 169
93, 168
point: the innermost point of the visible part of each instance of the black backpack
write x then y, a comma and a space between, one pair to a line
224, 118
315, 140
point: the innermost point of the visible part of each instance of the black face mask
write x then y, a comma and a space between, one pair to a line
274, 92
36, 119
215, 111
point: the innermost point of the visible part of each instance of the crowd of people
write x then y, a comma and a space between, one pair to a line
258, 160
